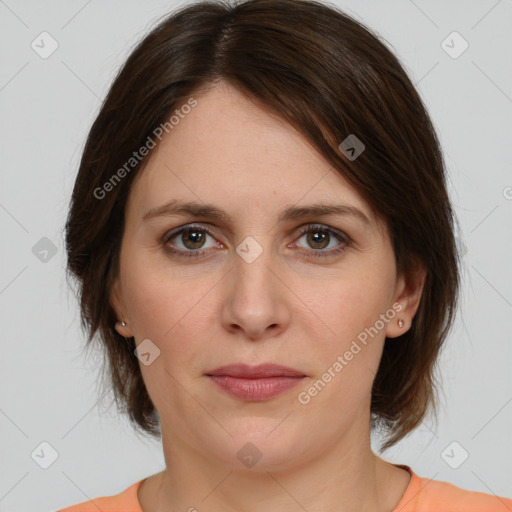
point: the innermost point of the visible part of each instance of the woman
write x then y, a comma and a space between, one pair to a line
264, 243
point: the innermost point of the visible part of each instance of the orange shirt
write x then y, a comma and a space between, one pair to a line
421, 495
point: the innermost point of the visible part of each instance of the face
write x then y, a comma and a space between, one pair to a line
255, 285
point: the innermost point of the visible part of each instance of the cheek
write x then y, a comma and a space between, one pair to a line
153, 307
347, 359
173, 313
177, 323
155, 296
351, 304
350, 327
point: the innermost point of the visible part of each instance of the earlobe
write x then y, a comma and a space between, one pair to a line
122, 329
118, 306
409, 294
398, 326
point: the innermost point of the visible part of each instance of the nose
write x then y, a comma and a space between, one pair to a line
255, 301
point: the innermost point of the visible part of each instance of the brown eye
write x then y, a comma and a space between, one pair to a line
193, 238
319, 237
188, 241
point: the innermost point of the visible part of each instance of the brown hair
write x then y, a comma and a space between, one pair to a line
329, 76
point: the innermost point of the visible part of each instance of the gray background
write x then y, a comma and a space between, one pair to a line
48, 388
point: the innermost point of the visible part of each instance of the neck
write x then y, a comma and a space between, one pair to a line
346, 477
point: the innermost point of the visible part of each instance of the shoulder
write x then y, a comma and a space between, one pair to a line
125, 501
428, 495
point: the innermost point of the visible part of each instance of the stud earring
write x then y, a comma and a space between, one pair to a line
122, 323
400, 323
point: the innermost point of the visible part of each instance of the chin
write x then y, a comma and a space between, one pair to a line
258, 446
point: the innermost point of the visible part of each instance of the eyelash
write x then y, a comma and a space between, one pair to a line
318, 253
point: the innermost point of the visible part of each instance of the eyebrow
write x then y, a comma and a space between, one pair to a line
210, 211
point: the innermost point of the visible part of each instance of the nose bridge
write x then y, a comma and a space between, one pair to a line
253, 261
254, 301
250, 250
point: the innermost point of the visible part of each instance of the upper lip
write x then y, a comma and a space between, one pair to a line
256, 372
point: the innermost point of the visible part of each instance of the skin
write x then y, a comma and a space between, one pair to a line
286, 307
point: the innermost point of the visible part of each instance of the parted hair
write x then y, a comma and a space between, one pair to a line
329, 76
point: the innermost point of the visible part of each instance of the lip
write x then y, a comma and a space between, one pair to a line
256, 372
255, 383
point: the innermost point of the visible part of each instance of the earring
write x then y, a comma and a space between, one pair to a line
400, 323
123, 323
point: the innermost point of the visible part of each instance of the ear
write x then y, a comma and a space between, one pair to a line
408, 291
118, 304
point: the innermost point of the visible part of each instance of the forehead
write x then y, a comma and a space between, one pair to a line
231, 151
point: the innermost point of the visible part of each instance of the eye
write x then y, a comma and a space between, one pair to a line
319, 237
192, 239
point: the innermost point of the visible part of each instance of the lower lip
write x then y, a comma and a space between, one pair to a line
255, 390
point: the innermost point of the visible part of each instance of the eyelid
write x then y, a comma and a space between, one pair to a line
177, 231
300, 229
311, 226
345, 239
342, 237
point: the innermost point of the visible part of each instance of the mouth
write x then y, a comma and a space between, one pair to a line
255, 383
